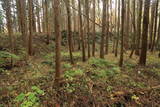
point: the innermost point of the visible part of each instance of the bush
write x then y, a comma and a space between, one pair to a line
100, 62
5, 58
73, 73
30, 99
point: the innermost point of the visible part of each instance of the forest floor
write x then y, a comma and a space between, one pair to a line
95, 83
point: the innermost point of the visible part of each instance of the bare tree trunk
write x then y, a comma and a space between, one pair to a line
118, 29
69, 30
103, 29
151, 24
139, 26
30, 50
145, 33
88, 30
46, 17
155, 27
38, 17
94, 28
56, 8
134, 29
81, 32
9, 23
122, 34
107, 29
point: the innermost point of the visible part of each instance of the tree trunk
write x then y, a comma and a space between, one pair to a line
56, 8
118, 29
134, 29
122, 34
30, 50
145, 33
151, 24
69, 30
103, 29
94, 28
81, 32
107, 29
9, 23
88, 30
139, 26
155, 27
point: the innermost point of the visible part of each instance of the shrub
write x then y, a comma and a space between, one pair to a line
100, 62
30, 99
5, 57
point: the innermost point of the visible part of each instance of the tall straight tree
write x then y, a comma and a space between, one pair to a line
139, 26
155, 27
46, 17
7, 7
103, 29
81, 31
107, 28
56, 10
134, 28
145, 33
122, 34
118, 29
69, 30
153, 7
88, 30
94, 28
30, 50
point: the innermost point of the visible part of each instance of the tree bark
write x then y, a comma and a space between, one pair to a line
56, 10
122, 34
145, 33
103, 29
81, 32
69, 30
139, 26
30, 50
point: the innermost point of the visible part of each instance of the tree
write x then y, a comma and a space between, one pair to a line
155, 27
152, 24
56, 10
81, 31
46, 17
38, 16
94, 28
7, 8
145, 33
122, 34
107, 28
139, 26
69, 30
103, 29
134, 29
30, 40
118, 29
88, 30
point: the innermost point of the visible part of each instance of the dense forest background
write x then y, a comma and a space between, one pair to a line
79, 53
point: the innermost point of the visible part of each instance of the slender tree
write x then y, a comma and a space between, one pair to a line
30, 50
139, 26
94, 28
69, 29
47, 24
118, 29
88, 29
56, 10
122, 34
155, 27
145, 33
81, 31
103, 29
7, 7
